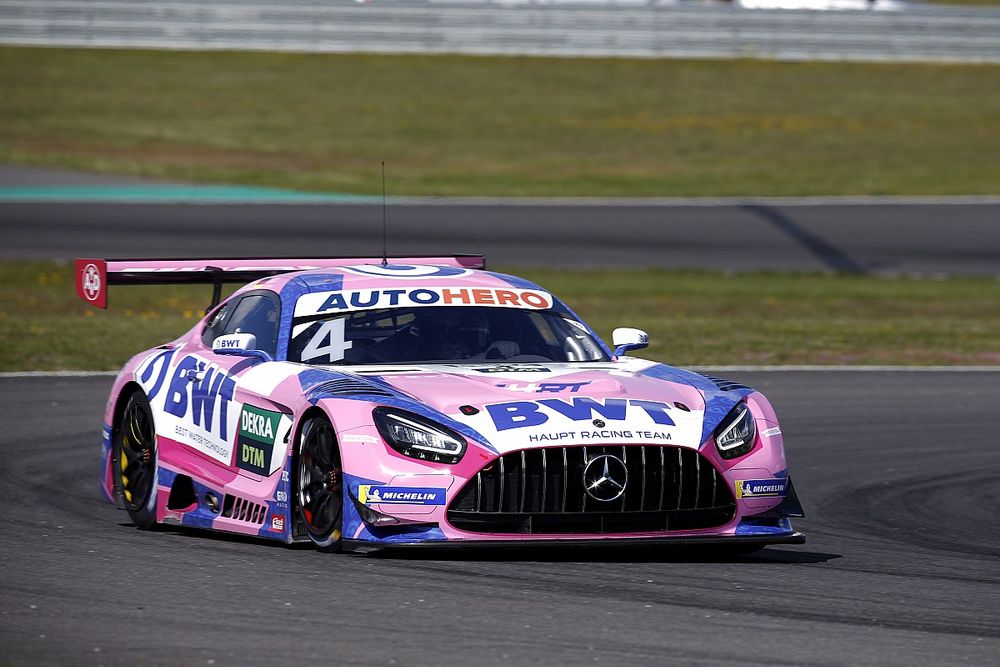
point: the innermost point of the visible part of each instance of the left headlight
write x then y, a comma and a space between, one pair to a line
418, 437
736, 433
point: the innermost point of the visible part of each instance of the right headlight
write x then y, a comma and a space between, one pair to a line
735, 435
418, 437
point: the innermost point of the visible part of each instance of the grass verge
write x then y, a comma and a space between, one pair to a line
694, 318
451, 125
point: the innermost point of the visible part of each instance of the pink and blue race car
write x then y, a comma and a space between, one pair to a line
364, 403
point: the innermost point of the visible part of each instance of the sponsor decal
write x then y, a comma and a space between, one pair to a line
521, 414
281, 497
348, 300
277, 523
761, 488
359, 437
545, 387
91, 282
499, 368
284, 475
768, 432
227, 343
255, 443
369, 494
91, 279
196, 399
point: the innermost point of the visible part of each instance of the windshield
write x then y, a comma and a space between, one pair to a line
442, 334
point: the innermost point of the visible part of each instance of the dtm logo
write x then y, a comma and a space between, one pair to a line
521, 414
399, 495
761, 488
194, 386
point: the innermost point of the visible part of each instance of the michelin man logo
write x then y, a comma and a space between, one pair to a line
374, 497
747, 489
408, 271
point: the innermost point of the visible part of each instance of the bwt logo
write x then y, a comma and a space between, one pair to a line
521, 414
206, 396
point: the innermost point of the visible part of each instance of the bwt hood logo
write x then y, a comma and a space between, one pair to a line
523, 414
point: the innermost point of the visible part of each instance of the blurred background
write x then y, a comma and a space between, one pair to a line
822, 172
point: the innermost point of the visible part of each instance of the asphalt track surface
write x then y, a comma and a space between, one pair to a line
854, 238
897, 472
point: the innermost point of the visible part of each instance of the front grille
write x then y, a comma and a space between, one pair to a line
539, 491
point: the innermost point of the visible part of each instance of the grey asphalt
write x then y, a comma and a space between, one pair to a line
861, 238
897, 472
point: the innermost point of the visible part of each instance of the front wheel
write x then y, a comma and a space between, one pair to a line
134, 461
320, 484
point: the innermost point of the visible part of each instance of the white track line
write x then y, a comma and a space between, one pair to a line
861, 369
58, 374
707, 369
318, 199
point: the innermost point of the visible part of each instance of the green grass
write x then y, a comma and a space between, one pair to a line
694, 318
449, 125
981, 3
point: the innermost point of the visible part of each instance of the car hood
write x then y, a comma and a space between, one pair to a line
519, 406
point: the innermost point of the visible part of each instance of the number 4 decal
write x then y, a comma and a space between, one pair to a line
332, 330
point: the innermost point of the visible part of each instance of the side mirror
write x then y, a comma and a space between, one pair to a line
626, 338
239, 345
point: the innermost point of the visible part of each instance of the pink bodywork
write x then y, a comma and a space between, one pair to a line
263, 503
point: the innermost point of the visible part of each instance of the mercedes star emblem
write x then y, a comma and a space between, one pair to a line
605, 477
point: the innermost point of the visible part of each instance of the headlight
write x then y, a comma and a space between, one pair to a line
736, 433
418, 437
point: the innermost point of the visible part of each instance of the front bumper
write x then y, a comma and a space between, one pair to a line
362, 546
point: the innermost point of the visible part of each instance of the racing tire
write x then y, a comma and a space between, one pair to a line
134, 461
319, 484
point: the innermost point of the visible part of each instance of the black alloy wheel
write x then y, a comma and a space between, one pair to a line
320, 484
134, 461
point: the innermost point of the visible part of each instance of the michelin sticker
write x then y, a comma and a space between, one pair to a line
369, 494
321, 303
761, 488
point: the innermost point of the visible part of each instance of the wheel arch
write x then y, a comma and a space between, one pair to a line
293, 460
117, 414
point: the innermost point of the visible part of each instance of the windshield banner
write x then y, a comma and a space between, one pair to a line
322, 303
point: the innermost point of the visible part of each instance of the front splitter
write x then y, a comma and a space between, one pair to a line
361, 546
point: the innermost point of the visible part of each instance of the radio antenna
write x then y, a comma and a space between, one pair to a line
385, 256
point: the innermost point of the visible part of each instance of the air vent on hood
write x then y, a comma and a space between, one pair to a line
350, 387
726, 385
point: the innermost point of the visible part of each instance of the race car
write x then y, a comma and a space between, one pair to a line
365, 403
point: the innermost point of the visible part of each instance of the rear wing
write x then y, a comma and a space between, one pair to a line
94, 276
